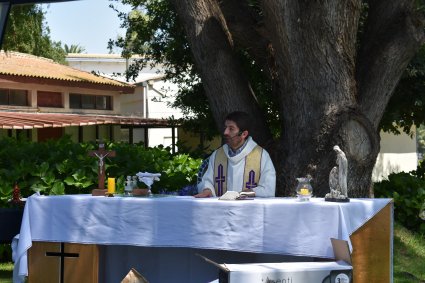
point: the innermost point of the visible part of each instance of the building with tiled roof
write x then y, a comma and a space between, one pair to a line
151, 98
16, 66
41, 99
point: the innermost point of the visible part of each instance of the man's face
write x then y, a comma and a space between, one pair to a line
232, 135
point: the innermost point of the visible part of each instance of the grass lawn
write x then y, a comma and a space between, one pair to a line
409, 258
6, 270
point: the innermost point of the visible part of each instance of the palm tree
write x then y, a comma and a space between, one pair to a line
74, 48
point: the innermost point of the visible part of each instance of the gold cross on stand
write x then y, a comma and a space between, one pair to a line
101, 153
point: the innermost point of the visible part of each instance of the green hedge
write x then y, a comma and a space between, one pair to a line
408, 192
64, 167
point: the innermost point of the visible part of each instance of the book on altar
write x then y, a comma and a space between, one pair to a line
232, 195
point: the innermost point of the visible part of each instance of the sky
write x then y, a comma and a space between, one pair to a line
88, 23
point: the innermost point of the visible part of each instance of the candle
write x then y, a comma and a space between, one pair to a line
111, 185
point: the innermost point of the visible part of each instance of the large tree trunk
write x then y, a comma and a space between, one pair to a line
332, 87
315, 44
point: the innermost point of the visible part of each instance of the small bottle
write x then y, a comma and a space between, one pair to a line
134, 182
128, 187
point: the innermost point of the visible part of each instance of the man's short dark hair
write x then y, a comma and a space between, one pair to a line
242, 120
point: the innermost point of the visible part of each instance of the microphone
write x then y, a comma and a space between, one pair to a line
237, 135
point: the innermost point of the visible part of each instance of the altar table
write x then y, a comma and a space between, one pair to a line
184, 225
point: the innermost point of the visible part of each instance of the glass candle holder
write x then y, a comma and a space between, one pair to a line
304, 189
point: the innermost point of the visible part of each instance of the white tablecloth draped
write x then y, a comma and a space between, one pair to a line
274, 225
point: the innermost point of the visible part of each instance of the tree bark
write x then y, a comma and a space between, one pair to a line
332, 87
225, 85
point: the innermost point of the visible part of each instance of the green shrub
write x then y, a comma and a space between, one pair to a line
5, 253
65, 167
408, 192
176, 170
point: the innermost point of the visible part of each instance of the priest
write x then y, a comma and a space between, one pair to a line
240, 164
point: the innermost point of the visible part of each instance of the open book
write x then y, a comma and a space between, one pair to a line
232, 195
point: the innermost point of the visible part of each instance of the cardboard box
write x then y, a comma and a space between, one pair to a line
338, 271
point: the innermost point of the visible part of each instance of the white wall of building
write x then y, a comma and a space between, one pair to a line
398, 153
150, 99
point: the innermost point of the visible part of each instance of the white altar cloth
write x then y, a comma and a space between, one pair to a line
273, 226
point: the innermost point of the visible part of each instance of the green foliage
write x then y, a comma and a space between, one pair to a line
63, 167
73, 48
154, 31
420, 139
408, 192
407, 106
27, 32
409, 255
5, 253
43, 167
176, 170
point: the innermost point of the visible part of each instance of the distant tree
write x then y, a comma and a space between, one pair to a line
407, 106
73, 48
27, 32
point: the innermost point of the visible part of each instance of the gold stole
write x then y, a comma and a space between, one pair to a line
251, 171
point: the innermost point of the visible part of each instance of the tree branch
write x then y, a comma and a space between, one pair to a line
225, 85
247, 30
393, 34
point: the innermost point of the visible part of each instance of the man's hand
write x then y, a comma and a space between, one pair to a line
248, 193
206, 193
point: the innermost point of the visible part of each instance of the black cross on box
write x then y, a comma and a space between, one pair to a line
63, 263
62, 255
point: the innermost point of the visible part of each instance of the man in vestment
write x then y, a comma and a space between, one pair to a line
240, 164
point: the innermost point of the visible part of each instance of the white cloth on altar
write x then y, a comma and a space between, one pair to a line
273, 225
235, 172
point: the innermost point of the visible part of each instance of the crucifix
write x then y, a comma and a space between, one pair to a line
101, 153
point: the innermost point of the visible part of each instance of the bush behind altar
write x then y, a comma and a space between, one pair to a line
408, 192
64, 167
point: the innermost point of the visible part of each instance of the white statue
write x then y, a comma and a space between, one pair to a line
338, 177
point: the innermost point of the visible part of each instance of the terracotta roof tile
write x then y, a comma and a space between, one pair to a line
26, 65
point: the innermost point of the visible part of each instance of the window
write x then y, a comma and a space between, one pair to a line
102, 102
4, 97
49, 99
86, 101
16, 97
75, 101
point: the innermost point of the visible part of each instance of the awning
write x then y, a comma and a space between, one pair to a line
24, 120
